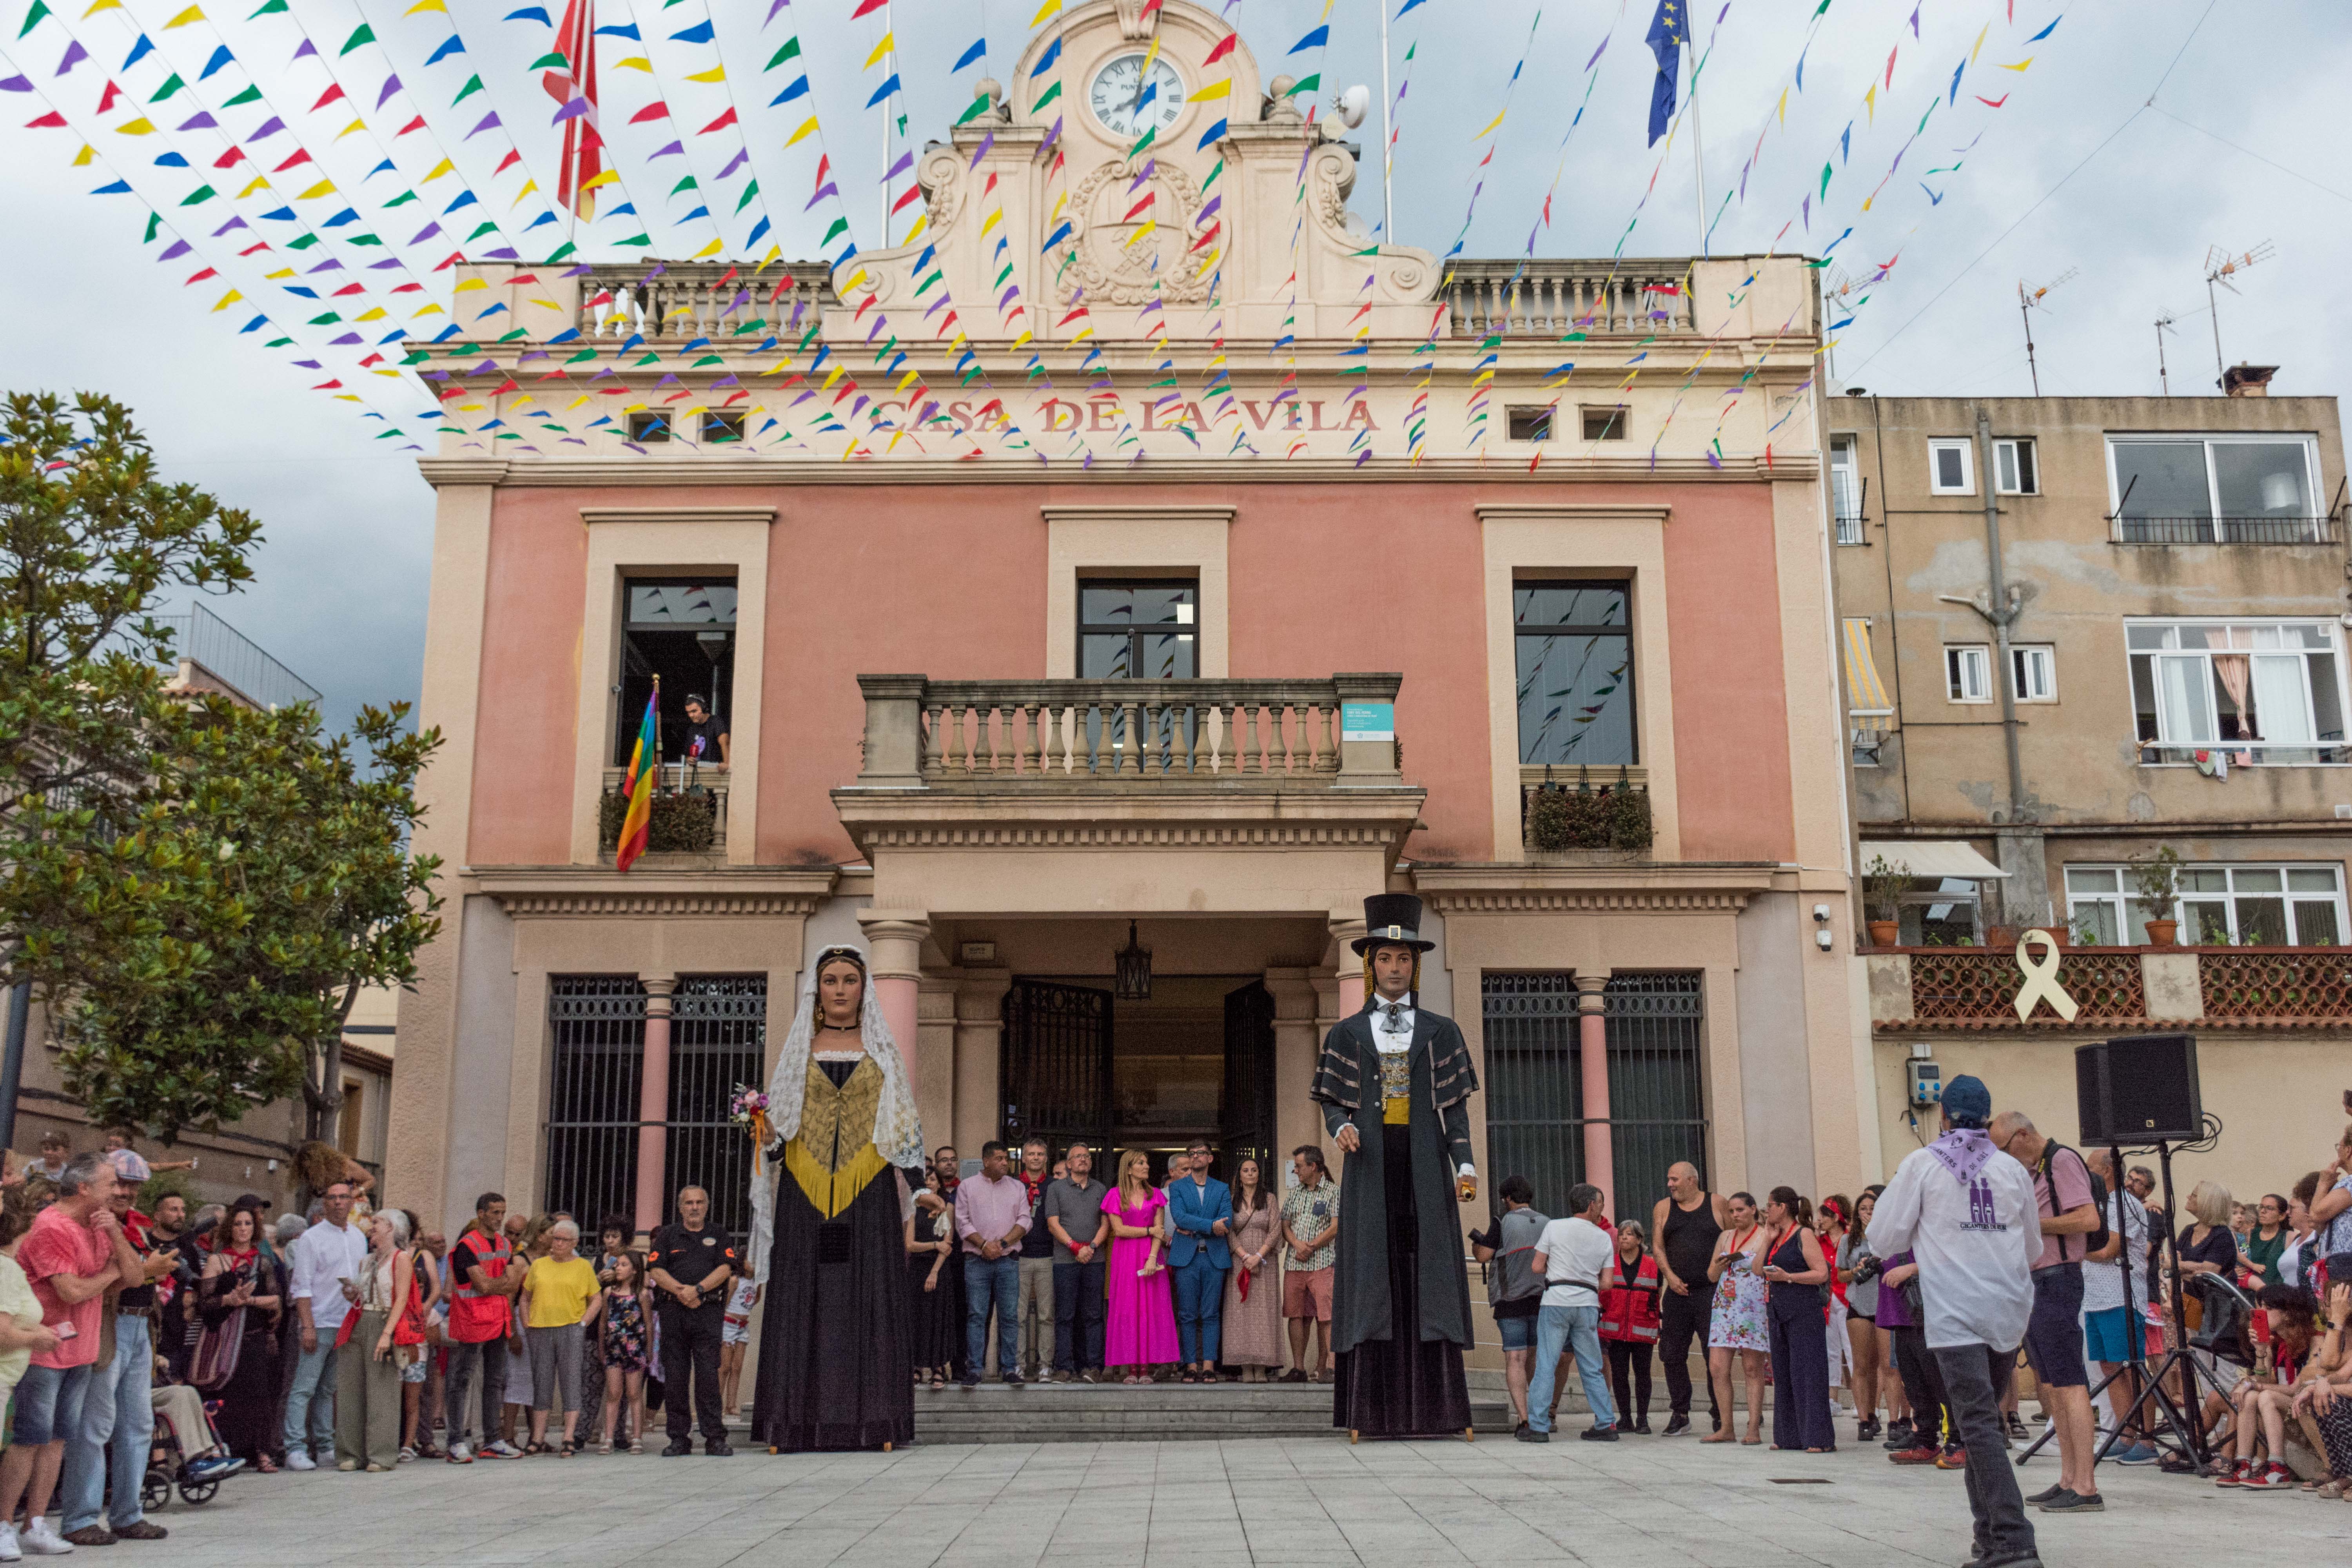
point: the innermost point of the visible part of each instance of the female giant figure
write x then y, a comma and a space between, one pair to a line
828, 1215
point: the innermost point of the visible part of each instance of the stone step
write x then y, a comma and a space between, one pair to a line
1046, 1413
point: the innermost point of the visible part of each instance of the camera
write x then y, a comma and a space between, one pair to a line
1865, 1267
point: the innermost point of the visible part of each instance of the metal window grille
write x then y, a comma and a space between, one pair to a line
717, 1039
599, 1024
1535, 1093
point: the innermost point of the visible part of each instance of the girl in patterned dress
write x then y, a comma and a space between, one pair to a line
1739, 1329
624, 1345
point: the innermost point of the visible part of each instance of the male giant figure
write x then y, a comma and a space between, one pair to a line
1394, 1081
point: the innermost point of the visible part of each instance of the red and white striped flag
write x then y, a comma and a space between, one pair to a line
573, 86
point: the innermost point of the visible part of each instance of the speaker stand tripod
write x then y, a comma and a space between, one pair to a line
2183, 1432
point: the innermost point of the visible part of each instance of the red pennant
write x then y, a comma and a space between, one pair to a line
106, 100
1223, 49
510, 385
867, 8
258, 245
508, 162
912, 192
233, 156
207, 272
415, 125
301, 155
328, 97
656, 109
349, 289
328, 386
719, 124
51, 117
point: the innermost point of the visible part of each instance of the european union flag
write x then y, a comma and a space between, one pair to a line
1665, 40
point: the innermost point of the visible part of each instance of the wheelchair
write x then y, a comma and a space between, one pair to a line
168, 1467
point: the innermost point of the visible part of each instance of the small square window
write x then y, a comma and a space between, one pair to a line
1530, 422
1604, 424
719, 426
1951, 468
2036, 672
1967, 672
2016, 472
648, 426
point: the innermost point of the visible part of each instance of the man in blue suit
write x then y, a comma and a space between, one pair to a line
1201, 1209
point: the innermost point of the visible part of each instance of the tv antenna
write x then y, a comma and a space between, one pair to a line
2028, 300
2221, 266
2163, 325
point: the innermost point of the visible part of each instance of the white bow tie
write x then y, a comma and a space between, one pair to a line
1393, 1017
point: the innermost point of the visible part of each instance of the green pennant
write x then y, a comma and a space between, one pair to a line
154, 222
790, 51
172, 84
559, 253
486, 228
706, 359
277, 342
200, 194
274, 8
509, 337
635, 239
1052, 93
327, 320
399, 200
748, 191
1306, 84
582, 355
555, 59
32, 17
305, 243
364, 35
473, 85
686, 184
363, 239
840, 225
250, 95
1150, 135
979, 107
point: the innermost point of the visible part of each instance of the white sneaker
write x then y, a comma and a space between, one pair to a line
460, 1454
299, 1459
42, 1541
501, 1449
9, 1551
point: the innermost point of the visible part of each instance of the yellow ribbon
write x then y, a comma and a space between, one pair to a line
2042, 978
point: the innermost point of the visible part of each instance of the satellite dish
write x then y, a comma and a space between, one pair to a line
1353, 106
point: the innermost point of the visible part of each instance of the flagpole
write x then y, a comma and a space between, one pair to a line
1698, 149
1388, 194
888, 31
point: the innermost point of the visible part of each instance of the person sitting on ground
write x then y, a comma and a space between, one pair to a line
2262, 1399
2323, 1395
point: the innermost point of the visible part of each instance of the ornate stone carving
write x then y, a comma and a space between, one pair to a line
1109, 269
1132, 23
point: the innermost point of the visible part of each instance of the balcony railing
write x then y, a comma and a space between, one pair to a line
682, 301
1000, 734
1551, 299
232, 660
706, 788
2114, 987
2246, 753
2225, 531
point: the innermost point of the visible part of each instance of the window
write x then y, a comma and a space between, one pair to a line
719, 426
2207, 489
1604, 424
1846, 490
1143, 629
648, 426
2257, 906
1951, 467
1530, 422
1575, 656
2034, 670
1967, 672
2264, 692
683, 630
2016, 472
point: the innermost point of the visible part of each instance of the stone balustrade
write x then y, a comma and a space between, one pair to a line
1138, 735
687, 299
1551, 299
2115, 989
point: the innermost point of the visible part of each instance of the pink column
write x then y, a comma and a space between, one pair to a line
1350, 968
1593, 1037
653, 1104
895, 941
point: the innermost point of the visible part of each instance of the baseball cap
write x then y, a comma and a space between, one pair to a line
1967, 1102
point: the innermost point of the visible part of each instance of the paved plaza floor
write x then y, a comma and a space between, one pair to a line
1297, 1502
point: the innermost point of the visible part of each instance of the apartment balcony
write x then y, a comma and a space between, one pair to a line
1551, 299
1205, 762
2115, 989
2224, 530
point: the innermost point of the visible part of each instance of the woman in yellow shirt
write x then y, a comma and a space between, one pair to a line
561, 1298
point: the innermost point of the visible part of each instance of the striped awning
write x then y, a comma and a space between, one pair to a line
1865, 694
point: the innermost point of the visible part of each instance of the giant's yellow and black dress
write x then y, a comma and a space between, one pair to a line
833, 1371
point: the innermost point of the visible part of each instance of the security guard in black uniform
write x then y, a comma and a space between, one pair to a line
691, 1267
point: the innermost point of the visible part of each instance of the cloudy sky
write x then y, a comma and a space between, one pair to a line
2080, 170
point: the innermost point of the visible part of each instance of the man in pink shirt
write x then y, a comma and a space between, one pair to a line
73, 1252
992, 1213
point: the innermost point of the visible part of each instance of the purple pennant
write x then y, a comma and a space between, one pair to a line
346, 338
489, 121
308, 49
390, 86
15, 84
75, 55
823, 190
735, 162
577, 271
329, 265
233, 223
502, 254
309, 364
905, 162
488, 367
981, 151
179, 248
200, 120
427, 232
572, 111
779, 5
270, 127
678, 147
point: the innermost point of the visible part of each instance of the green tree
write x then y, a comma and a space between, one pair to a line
89, 535
292, 888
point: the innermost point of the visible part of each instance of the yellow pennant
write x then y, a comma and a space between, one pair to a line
634, 63
376, 314
922, 221
191, 14
102, 6
609, 177
323, 189
469, 283
1870, 98
85, 156
443, 167
259, 183
428, 310
527, 186
1223, 89
807, 126
889, 41
346, 130
426, 6
1784, 105
281, 272
713, 249
716, 73
2020, 65
1050, 8
1490, 126
1979, 44
231, 297
136, 128
1146, 227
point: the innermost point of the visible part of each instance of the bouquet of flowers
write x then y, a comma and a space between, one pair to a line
748, 1110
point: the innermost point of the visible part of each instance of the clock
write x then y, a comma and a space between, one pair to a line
1128, 101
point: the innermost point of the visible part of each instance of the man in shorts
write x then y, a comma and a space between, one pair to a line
1311, 1233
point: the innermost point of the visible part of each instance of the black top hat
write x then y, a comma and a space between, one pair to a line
1391, 919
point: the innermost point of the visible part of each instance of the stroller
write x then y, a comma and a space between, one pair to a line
170, 1465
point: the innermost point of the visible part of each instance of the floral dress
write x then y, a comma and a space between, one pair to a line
1739, 1320
625, 1331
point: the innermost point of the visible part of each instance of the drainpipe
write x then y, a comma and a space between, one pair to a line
2001, 613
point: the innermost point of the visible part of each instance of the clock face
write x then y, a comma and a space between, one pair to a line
1129, 102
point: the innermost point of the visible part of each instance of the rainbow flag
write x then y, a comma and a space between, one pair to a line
638, 787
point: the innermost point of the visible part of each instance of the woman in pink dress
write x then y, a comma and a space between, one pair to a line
1142, 1328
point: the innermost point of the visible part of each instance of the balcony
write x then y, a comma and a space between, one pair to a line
1209, 762
679, 793
686, 301
2245, 754
2225, 531
2113, 988
1553, 298
1586, 813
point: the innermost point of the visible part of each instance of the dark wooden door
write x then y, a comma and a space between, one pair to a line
1055, 1072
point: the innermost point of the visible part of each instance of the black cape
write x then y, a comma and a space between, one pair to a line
836, 1367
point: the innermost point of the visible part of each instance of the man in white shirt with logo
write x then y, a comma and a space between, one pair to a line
1578, 1259
327, 1265
1966, 1212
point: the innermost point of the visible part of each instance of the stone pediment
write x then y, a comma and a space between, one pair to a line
1129, 174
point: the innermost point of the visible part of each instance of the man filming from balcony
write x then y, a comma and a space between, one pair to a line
706, 734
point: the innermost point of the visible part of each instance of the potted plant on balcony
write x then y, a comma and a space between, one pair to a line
2156, 878
1882, 882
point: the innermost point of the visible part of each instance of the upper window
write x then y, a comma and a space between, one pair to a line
1951, 467
1139, 630
1967, 672
683, 630
2256, 692
2033, 670
1846, 490
1530, 422
2207, 490
2016, 471
2260, 906
1604, 424
1575, 656
648, 426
